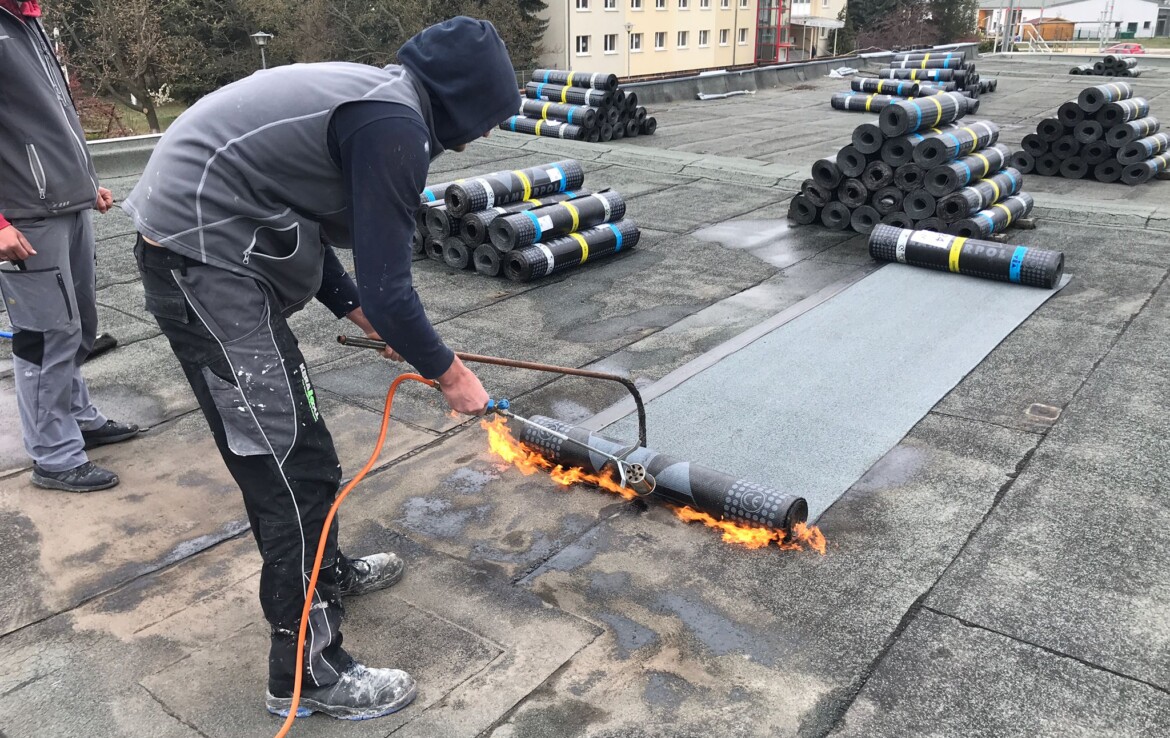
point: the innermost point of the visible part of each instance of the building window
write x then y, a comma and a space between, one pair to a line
660, 4
682, 39
724, 36
704, 38
660, 41
609, 43
635, 4
725, 4
582, 4
824, 3
704, 4
1146, 25
582, 46
635, 42
743, 3
742, 36
610, 4
684, 4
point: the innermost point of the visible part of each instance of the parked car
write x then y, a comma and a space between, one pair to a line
1128, 49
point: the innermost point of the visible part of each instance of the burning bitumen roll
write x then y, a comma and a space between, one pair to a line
910, 116
473, 227
502, 188
518, 231
899, 87
456, 254
720, 495
887, 200
1130, 131
566, 94
956, 143
836, 215
860, 102
995, 218
1144, 171
569, 251
852, 193
802, 210
943, 180
1123, 111
826, 173
1019, 264
439, 224
920, 204
864, 218
546, 128
876, 175
597, 81
1095, 98
980, 195
487, 260
817, 195
909, 177
1144, 148
579, 115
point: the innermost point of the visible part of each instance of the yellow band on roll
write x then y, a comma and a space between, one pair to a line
868, 100
522, 177
584, 246
1007, 211
956, 249
938, 107
924, 60
539, 123
974, 137
534, 201
995, 188
544, 110
986, 163
573, 212
565, 93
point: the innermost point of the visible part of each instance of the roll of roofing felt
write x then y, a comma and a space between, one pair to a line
502, 188
910, 116
1066, 146
546, 128
930, 63
942, 180
1034, 144
569, 251
860, 102
802, 210
928, 224
1019, 264
899, 87
1123, 111
520, 230
1109, 170
1023, 161
851, 161
836, 215
473, 227
956, 143
595, 80
1048, 165
864, 219
434, 249
852, 192
900, 149
826, 173
456, 253
887, 200
578, 115
1124, 133
900, 220
920, 204
980, 195
648, 126
418, 242
566, 94
919, 55
1144, 148
995, 218
1050, 129
1070, 113
439, 224
817, 195
1144, 171
1093, 99
909, 177
1094, 153
958, 76
1088, 131
487, 260
877, 174
1074, 167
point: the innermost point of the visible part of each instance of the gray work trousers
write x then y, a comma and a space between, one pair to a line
52, 304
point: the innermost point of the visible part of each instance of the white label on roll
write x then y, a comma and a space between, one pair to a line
548, 258
900, 247
930, 238
604, 203
545, 222
491, 194
554, 174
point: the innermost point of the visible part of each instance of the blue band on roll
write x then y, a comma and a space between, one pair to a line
430, 196
564, 178
540, 91
570, 116
1012, 178
989, 219
918, 109
966, 166
512, 120
535, 222
618, 235
1017, 262
547, 72
954, 138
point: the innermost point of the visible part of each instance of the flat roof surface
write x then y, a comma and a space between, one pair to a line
1003, 570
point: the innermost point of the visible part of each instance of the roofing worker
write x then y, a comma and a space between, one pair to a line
232, 210
48, 187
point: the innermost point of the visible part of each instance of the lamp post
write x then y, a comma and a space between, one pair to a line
629, 30
260, 38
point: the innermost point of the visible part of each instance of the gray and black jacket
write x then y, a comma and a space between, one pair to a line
45, 168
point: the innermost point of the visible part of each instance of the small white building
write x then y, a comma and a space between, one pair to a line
1113, 19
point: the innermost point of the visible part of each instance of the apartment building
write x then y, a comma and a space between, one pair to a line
639, 37
813, 23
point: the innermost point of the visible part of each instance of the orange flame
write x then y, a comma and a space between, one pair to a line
530, 461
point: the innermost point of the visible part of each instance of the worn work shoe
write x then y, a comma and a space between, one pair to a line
88, 477
370, 573
111, 432
360, 694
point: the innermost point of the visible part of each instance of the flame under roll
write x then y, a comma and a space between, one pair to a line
722, 496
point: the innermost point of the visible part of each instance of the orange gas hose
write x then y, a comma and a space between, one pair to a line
296, 699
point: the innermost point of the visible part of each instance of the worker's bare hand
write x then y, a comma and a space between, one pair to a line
105, 201
358, 318
463, 390
14, 246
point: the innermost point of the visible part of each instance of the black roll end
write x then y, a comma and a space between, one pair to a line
797, 514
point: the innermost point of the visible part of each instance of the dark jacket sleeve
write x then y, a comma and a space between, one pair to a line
384, 159
338, 291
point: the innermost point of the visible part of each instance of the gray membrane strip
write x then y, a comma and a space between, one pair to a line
811, 405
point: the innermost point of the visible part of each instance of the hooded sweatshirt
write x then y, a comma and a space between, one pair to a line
246, 179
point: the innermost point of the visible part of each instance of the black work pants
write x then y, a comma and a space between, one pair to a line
249, 377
